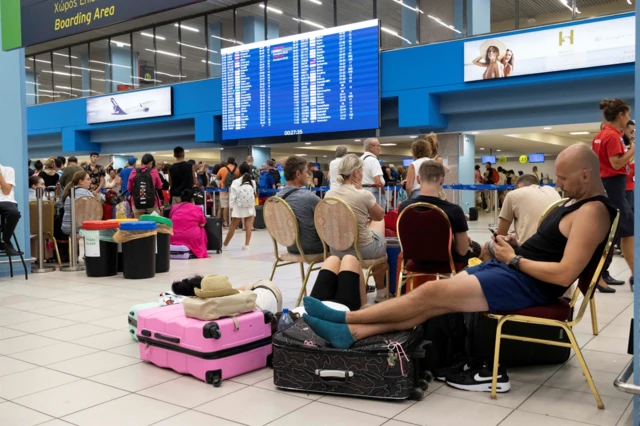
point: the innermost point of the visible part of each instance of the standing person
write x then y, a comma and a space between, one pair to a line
181, 176
609, 148
283, 181
432, 140
63, 162
203, 175
49, 174
31, 171
34, 183
8, 209
372, 177
69, 171
242, 196
126, 173
535, 172
255, 172
38, 167
491, 177
226, 176
273, 171
59, 165
317, 174
420, 150
629, 137
96, 174
334, 166
143, 186
115, 181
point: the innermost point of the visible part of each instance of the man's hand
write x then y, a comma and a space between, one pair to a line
504, 251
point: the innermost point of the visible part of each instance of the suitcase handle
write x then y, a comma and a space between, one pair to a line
167, 338
334, 375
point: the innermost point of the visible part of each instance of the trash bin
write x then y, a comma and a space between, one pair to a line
393, 250
101, 253
138, 241
163, 250
120, 261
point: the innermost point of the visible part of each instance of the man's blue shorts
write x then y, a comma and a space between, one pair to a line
505, 288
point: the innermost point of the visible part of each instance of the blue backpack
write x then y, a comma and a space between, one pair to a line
264, 181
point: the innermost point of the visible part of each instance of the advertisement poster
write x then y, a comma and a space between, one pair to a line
569, 47
130, 106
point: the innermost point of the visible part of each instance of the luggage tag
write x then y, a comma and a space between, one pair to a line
396, 352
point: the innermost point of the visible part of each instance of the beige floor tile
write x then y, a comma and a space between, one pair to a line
56, 422
608, 344
254, 377
38, 326
268, 384
627, 417
64, 309
16, 415
190, 392
441, 410
11, 366
537, 374
32, 381
94, 364
104, 341
117, 322
8, 333
131, 350
76, 298
19, 317
24, 343
16, 298
388, 409
74, 332
69, 398
569, 377
92, 314
34, 305
266, 406
396, 423
103, 302
131, 410
136, 377
519, 392
573, 405
615, 331
523, 418
195, 418
613, 363
319, 414
54, 353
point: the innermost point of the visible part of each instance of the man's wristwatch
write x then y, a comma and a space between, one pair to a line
515, 263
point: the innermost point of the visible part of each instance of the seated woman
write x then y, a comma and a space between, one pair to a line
369, 214
188, 225
35, 182
82, 183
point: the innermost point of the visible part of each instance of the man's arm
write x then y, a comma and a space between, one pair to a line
461, 243
589, 228
503, 226
6, 187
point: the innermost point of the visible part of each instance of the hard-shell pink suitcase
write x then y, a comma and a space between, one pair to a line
209, 350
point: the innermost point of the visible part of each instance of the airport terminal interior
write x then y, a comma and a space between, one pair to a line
297, 86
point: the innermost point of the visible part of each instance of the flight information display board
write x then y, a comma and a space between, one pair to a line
321, 81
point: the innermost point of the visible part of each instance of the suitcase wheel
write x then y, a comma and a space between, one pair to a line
423, 384
214, 377
417, 394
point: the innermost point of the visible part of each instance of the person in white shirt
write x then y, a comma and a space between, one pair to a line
372, 177
334, 166
8, 209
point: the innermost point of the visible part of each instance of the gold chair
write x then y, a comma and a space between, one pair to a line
550, 315
48, 213
87, 208
337, 227
282, 225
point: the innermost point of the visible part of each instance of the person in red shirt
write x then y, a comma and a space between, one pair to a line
609, 147
148, 162
630, 137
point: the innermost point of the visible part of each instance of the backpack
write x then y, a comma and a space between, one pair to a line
230, 177
246, 196
263, 182
493, 176
144, 192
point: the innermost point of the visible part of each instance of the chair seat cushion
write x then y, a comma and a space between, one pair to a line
366, 263
292, 257
556, 311
432, 267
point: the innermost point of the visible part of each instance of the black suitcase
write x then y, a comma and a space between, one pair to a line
448, 336
514, 353
371, 368
473, 214
213, 227
258, 223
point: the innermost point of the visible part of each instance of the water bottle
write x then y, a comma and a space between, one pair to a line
285, 320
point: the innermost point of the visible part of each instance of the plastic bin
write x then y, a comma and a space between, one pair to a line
101, 253
120, 260
163, 250
138, 249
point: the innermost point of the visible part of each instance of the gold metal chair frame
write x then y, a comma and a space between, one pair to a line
33, 205
355, 244
406, 276
305, 275
565, 325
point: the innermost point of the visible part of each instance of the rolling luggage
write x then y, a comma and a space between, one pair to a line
213, 227
473, 214
211, 351
180, 252
384, 367
258, 223
133, 316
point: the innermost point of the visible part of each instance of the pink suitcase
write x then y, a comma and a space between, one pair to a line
209, 350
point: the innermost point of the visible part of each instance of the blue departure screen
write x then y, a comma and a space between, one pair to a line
322, 81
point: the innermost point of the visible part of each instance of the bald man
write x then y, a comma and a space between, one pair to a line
535, 273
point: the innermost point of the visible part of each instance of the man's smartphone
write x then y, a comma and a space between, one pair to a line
494, 233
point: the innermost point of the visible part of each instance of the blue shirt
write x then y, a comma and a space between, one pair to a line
124, 175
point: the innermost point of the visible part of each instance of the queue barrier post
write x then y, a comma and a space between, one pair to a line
73, 238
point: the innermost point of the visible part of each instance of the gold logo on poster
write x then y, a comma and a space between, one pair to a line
563, 39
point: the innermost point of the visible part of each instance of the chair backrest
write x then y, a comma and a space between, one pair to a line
48, 214
424, 233
281, 222
88, 208
336, 224
551, 208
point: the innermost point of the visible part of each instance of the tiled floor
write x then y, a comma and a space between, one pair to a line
66, 358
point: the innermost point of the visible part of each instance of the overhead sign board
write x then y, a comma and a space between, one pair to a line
39, 21
570, 47
130, 106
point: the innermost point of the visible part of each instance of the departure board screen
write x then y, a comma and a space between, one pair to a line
316, 82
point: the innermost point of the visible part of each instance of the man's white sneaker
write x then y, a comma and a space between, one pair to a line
246, 248
225, 248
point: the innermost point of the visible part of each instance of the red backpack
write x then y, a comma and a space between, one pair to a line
493, 176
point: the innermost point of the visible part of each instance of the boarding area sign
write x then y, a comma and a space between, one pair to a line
29, 22
569, 47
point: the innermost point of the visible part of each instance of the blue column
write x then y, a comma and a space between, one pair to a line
478, 17
466, 164
13, 121
636, 254
260, 155
215, 47
252, 29
409, 24
119, 75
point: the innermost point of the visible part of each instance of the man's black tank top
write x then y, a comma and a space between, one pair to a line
548, 244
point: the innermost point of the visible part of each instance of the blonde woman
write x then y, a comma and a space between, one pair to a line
369, 214
420, 150
434, 145
49, 174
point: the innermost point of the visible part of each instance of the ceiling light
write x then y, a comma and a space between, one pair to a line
185, 27
413, 136
77, 90
546, 128
186, 150
310, 23
320, 3
475, 133
170, 75
301, 155
152, 36
40, 60
146, 79
263, 146
107, 63
227, 39
498, 150
271, 9
84, 69
357, 140
61, 73
388, 144
307, 143
196, 47
395, 33
408, 7
324, 156
31, 82
120, 43
451, 27
209, 62
66, 56
162, 52
481, 149
566, 4
579, 133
